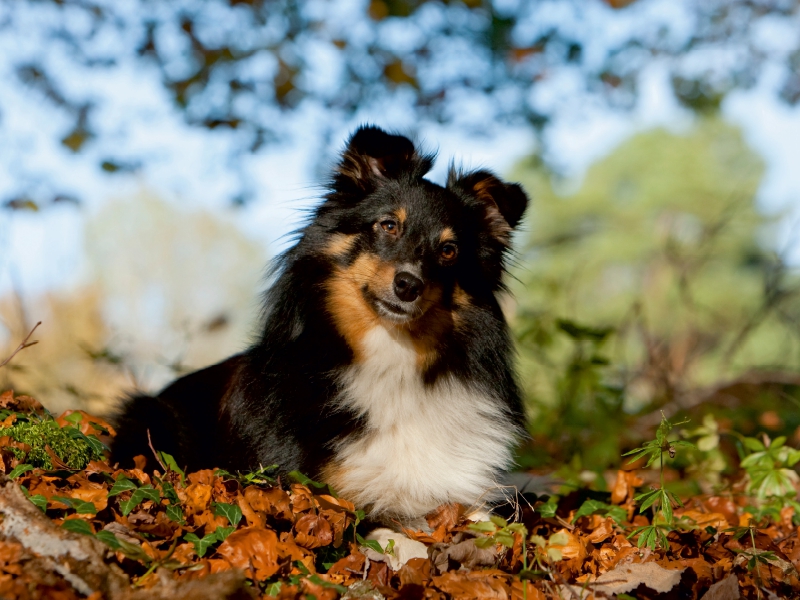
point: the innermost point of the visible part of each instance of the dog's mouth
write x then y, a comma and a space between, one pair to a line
393, 309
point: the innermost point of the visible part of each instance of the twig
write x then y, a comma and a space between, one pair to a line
24, 344
158, 458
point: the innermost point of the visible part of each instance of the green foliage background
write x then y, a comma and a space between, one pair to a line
646, 283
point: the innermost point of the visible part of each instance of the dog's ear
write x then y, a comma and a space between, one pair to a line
503, 203
372, 155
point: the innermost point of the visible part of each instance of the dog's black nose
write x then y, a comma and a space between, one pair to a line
407, 287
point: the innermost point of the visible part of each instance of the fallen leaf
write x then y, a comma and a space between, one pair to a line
254, 551
464, 554
469, 586
727, 589
624, 486
313, 531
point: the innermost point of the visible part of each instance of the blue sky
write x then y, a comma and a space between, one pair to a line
192, 167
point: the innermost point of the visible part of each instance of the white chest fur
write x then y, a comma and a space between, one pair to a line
425, 444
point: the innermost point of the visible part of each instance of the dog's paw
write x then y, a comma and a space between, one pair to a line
479, 515
404, 547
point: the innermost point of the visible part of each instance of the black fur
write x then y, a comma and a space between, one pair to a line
275, 403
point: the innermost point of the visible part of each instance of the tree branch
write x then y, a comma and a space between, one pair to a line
24, 344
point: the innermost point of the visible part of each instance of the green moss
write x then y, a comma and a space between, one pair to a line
68, 443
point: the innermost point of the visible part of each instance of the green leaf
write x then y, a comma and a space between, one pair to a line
554, 554
168, 491
558, 539
304, 479
133, 551
499, 521
538, 541
123, 484
518, 528
483, 527
232, 512
175, 513
81, 506
590, 507
390, 547
108, 538
501, 537
77, 526
369, 543
19, 470
617, 513
74, 418
548, 509
171, 463
273, 589
666, 508
201, 545
222, 533
40, 501
146, 492
753, 444
484, 542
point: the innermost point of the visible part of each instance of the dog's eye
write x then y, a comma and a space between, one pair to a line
389, 226
448, 251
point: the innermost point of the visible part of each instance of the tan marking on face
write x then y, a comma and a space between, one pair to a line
401, 214
448, 235
352, 314
340, 243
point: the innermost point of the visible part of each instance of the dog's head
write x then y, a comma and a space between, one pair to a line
403, 247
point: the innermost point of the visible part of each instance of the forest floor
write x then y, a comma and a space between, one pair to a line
74, 526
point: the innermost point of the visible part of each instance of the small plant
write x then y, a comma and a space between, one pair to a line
48, 445
500, 531
755, 557
661, 498
769, 468
706, 462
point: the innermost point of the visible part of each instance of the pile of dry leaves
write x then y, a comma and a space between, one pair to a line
104, 532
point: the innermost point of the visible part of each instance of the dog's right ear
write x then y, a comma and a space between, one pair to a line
372, 155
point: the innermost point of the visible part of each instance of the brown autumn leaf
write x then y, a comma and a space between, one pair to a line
704, 520
574, 548
89, 425
602, 532
471, 586
447, 515
273, 501
464, 554
205, 476
302, 499
624, 486
252, 517
349, 569
313, 531
255, 551
196, 498
724, 506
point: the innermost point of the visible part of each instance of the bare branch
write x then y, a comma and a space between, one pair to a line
158, 458
24, 344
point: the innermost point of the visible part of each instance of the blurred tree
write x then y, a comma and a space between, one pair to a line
647, 282
243, 65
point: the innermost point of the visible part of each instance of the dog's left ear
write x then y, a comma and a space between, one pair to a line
503, 203
373, 154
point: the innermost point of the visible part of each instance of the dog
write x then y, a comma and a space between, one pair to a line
384, 364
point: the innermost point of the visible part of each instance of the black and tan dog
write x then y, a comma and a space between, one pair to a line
384, 366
